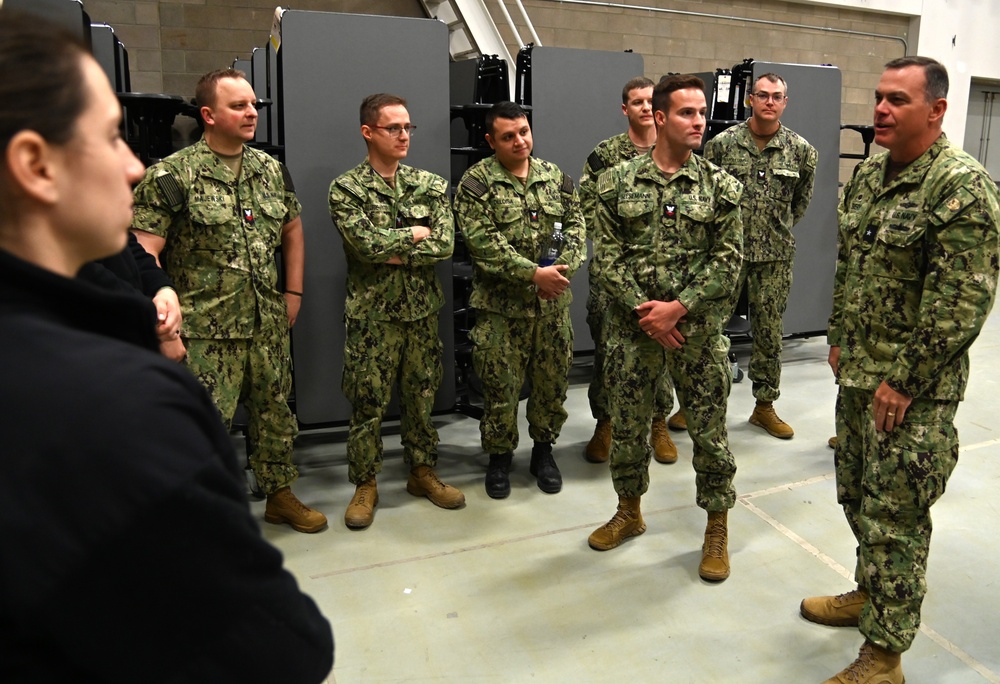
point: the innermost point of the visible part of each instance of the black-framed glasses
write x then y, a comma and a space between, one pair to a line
395, 131
764, 97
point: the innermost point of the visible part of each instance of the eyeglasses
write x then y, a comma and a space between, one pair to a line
764, 97
395, 131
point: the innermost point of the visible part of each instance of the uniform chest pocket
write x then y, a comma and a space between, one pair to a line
781, 185
274, 209
552, 208
212, 225
509, 213
695, 220
418, 214
899, 250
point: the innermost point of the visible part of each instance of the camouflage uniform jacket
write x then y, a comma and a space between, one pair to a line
507, 225
608, 153
663, 238
777, 186
916, 273
374, 221
221, 233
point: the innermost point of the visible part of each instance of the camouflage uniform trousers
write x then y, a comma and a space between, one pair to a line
598, 304
887, 483
377, 354
768, 284
256, 371
506, 350
702, 377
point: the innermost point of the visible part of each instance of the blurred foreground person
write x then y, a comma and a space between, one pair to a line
130, 554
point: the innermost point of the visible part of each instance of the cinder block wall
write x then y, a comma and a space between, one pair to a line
172, 42
686, 43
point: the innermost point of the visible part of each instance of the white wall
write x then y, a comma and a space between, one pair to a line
961, 34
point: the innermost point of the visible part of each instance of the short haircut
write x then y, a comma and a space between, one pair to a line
504, 110
635, 84
205, 91
372, 106
773, 78
671, 83
934, 72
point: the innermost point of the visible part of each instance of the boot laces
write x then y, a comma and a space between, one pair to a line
432, 479
862, 667
618, 521
362, 493
769, 413
716, 539
850, 597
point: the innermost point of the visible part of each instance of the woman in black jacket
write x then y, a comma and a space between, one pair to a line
128, 550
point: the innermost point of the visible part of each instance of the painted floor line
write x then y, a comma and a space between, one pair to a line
933, 635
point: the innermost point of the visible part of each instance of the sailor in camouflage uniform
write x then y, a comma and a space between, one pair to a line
214, 214
777, 168
916, 278
506, 207
396, 224
669, 250
637, 105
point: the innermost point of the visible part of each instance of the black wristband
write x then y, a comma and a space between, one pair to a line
293, 292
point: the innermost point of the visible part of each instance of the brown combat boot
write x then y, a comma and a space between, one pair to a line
764, 416
627, 522
423, 481
715, 551
664, 449
832, 442
285, 507
599, 447
677, 422
361, 511
843, 610
875, 665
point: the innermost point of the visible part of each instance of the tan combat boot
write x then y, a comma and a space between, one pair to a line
764, 416
832, 442
874, 665
285, 507
423, 481
843, 610
361, 511
599, 447
677, 422
627, 522
664, 449
715, 551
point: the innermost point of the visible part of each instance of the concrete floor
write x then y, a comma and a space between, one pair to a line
509, 591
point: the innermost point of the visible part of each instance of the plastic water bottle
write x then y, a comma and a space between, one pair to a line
554, 248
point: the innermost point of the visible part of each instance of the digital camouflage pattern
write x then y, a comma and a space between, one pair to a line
608, 153
916, 278
221, 235
506, 351
767, 284
377, 354
916, 273
392, 326
374, 221
887, 483
257, 370
777, 188
506, 226
664, 239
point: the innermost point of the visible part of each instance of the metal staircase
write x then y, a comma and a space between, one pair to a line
472, 31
